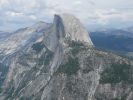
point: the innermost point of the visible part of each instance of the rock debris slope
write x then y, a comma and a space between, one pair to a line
65, 65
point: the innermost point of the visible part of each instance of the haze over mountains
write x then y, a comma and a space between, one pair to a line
59, 61
120, 41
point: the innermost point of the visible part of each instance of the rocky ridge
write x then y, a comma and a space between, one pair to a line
65, 65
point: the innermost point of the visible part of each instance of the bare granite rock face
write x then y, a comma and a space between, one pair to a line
65, 65
20, 40
74, 29
22, 37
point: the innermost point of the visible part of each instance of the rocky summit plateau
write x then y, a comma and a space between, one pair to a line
63, 64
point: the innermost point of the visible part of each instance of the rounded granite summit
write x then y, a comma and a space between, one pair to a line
74, 29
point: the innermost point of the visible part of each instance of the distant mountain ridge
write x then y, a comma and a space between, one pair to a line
116, 40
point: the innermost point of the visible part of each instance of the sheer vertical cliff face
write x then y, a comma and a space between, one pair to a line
66, 27
64, 65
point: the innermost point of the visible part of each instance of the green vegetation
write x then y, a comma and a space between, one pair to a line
101, 97
0, 90
21, 98
69, 68
9, 93
87, 70
38, 46
75, 44
69, 86
124, 97
4, 70
99, 55
105, 97
76, 47
117, 73
118, 99
121, 98
46, 58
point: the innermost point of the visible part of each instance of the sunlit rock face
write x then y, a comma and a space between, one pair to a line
74, 29
66, 27
22, 37
13, 42
64, 65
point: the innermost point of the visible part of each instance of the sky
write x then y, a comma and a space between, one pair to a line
94, 14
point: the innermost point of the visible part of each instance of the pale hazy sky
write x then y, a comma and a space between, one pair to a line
15, 14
